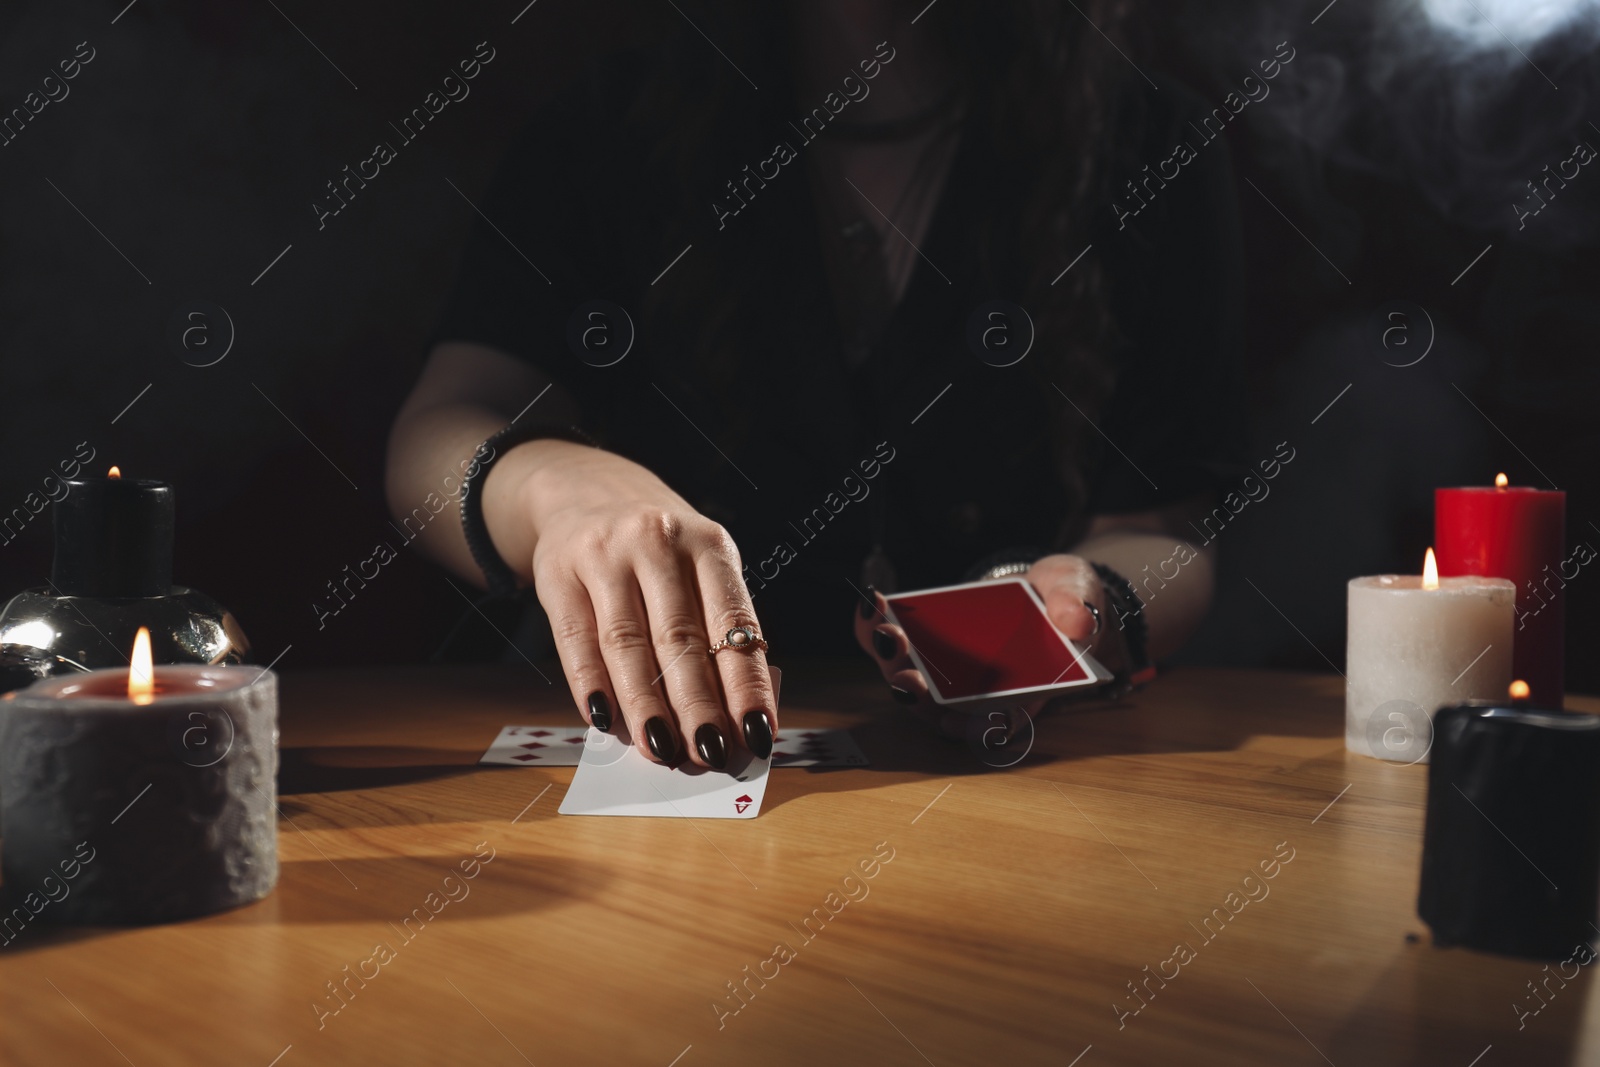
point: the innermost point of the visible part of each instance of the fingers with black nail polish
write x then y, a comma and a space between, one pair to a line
758, 733
883, 643
600, 712
902, 696
711, 745
869, 604
663, 740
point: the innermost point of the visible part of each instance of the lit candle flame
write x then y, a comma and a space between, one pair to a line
1501, 481
141, 670
1519, 690
114, 472
1430, 571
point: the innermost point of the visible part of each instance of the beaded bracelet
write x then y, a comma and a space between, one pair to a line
500, 578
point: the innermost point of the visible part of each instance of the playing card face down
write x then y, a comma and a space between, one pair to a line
618, 779
536, 746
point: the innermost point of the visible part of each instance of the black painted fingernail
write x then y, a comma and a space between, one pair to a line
902, 696
884, 643
708, 740
663, 741
599, 712
758, 733
869, 606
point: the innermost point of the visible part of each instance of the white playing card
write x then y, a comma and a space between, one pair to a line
817, 748
617, 779
536, 746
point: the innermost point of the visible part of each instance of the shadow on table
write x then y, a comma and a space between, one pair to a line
1414, 1013
334, 770
44, 934
389, 890
1187, 714
1194, 721
898, 740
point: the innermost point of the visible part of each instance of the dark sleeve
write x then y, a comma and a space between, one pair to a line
534, 253
1174, 426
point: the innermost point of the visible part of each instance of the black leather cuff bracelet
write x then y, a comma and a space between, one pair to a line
500, 578
1128, 609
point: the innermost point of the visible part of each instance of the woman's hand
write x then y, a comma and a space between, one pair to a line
638, 586
1067, 585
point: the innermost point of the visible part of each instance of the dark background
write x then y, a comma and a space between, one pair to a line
1389, 154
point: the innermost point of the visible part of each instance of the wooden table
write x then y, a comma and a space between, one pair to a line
1006, 914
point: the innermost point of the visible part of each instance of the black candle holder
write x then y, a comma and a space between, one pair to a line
1511, 848
112, 575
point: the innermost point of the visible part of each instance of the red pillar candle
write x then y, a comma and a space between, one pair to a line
1514, 532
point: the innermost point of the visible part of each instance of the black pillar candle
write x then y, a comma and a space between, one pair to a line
113, 575
1511, 848
114, 538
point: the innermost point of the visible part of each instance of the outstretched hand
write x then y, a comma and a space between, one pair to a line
639, 588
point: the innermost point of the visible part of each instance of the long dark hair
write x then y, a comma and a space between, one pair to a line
1039, 76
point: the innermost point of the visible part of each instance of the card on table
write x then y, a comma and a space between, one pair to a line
618, 779
536, 746
817, 748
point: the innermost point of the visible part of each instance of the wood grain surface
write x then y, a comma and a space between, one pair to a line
927, 909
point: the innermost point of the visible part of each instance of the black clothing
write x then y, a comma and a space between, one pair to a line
810, 460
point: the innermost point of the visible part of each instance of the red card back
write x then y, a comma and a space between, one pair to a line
984, 639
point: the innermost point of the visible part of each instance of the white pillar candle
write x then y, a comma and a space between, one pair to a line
1413, 647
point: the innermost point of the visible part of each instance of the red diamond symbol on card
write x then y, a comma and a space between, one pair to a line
532, 744
526, 757
574, 740
740, 803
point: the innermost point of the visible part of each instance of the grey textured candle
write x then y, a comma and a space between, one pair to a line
121, 812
